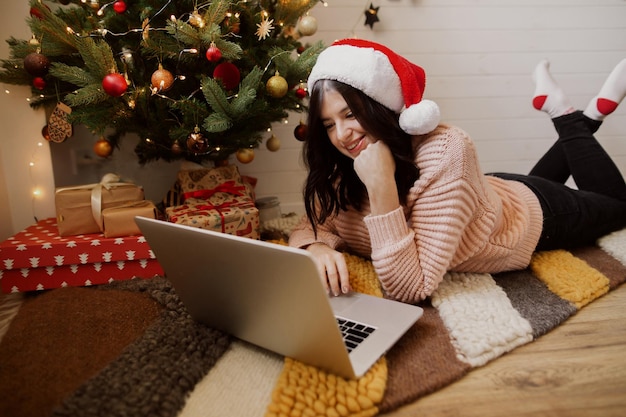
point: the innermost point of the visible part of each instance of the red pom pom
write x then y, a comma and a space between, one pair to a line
114, 84
228, 73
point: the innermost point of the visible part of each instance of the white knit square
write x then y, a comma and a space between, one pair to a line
482, 323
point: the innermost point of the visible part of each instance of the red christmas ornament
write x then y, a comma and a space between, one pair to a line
228, 73
300, 131
213, 54
119, 6
39, 83
114, 84
36, 13
45, 132
301, 93
36, 64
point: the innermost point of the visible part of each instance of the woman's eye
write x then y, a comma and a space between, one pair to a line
328, 126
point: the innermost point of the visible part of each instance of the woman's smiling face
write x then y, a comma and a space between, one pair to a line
342, 127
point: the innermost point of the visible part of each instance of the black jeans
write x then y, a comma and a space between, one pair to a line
576, 217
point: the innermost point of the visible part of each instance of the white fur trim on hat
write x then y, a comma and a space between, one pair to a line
384, 76
420, 118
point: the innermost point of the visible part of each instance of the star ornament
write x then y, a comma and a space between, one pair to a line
371, 16
264, 28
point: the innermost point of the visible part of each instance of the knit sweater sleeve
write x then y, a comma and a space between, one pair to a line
302, 234
412, 256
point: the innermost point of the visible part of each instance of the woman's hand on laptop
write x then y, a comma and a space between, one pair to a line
332, 267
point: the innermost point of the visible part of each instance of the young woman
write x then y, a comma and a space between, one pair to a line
389, 182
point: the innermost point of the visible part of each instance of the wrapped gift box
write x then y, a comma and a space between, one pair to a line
37, 258
216, 199
120, 221
242, 220
79, 208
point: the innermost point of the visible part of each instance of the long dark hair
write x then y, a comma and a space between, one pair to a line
332, 184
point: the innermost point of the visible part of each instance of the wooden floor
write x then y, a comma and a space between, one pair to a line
578, 369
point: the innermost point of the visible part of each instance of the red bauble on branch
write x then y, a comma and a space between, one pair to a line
119, 6
39, 83
213, 54
301, 93
300, 131
228, 73
114, 84
36, 13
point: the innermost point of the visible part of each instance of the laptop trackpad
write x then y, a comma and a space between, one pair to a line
342, 302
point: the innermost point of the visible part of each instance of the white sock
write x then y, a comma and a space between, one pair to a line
611, 94
549, 97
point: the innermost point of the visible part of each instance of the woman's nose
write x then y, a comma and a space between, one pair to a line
343, 131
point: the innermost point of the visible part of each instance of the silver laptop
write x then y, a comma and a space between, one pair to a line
271, 295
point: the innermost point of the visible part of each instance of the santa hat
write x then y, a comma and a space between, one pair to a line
382, 75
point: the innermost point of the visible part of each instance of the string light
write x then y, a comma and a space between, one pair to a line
37, 192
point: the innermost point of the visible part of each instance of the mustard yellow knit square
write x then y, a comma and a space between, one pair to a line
303, 390
569, 277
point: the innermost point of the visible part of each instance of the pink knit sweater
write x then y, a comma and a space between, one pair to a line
456, 219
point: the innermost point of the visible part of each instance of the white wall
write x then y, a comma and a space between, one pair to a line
478, 55
19, 142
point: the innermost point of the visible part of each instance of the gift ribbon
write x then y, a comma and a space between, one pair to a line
108, 181
218, 208
226, 187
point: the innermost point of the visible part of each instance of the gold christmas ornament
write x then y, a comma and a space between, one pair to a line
196, 19
277, 86
102, 148
245, 155
273, 143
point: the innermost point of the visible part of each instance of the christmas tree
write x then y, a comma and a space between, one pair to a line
195, 80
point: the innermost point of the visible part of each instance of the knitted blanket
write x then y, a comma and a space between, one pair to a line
130, 348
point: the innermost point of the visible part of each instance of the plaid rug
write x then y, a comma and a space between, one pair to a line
129, 348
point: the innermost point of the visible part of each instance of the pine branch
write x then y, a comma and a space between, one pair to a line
72, 75
184, 33
214, 95
98, 57
89, 95
14, 72
216, 123
52, 32
217, 10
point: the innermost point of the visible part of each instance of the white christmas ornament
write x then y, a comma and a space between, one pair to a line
307, 26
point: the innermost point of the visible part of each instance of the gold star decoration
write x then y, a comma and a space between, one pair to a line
264, 28
371, 16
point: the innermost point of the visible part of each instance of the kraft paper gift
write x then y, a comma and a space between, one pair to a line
120, 220
79, 208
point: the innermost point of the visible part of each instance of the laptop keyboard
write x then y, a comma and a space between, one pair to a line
353, 332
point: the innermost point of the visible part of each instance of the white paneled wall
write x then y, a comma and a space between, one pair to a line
479, 56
